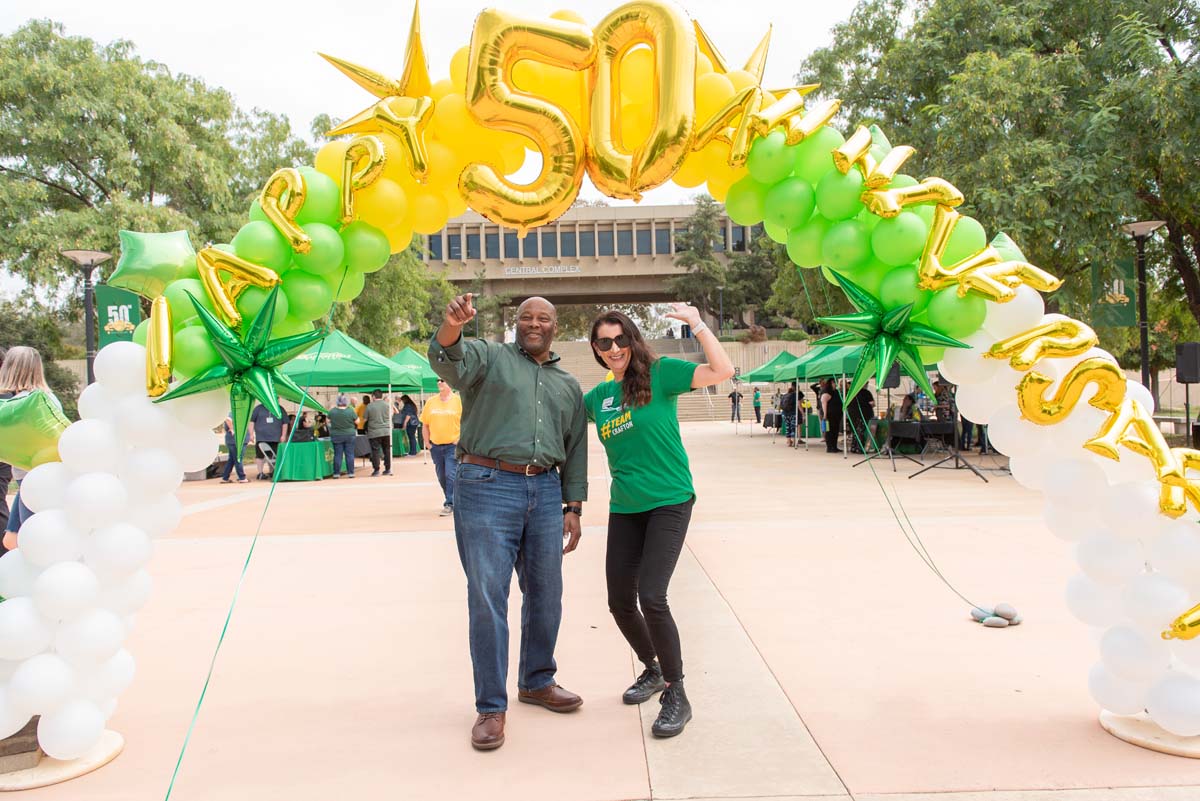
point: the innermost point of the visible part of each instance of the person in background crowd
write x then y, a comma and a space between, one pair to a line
6, 477
361, 411
522, 479
735, 409
379, 431
322, 425
234, 462
817, 391
410, 421
908, 411
968, 430
20, 374
304, 429
342, 430
757, 405
652, 494
862, 410
787, 407
441, 419
269, 430
831, 406
943, 394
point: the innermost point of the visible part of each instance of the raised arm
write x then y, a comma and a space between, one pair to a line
717, 368
456, 364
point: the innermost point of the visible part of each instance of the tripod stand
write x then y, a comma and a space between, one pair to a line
955, 455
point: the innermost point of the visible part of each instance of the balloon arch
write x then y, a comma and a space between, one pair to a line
642, 98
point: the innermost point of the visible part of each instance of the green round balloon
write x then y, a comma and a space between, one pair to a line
260, 243
253, 298
846, 246
789, 202
746, 201
139, 333
309, 296
256, 212
902, 181
770, 158
899, 240
775, 232
925, 212
954, 316
323, 201
931, 354
193, 352
367, 248
899, 287
290, 326
814, 156
839, 196
804, 243
868, 219
870, 276
326, 253
348, 286
181, 307
967, 239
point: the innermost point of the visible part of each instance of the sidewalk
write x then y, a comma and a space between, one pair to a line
823, 659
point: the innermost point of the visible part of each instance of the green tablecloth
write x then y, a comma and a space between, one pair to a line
305, 461
813, 428
400, 442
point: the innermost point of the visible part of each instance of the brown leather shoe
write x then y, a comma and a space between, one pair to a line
554, 698
488, 732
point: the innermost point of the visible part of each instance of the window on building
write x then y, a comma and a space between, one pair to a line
453, 245
739, 238
606, 243
512, 250
473, 247
550, 244
643, 241
566, 243
624, 243
722, 240
491, 245
435, 247
530, 244
587, 243
662, 241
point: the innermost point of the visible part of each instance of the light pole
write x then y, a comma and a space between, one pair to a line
1140, 231
86, 261
721, 307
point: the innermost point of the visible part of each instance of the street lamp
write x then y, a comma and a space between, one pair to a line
1140, 231
721, 307
86, 261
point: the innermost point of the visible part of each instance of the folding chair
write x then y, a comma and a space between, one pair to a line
268, 456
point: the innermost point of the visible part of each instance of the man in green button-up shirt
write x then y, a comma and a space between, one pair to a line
522, 453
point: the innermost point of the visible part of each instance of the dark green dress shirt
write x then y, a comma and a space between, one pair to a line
517, 410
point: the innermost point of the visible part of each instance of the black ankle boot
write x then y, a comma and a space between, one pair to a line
675, 712
647, 684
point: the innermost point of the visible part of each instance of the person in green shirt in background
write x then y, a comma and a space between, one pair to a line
342, 432
379, 431
757, 405
651, 498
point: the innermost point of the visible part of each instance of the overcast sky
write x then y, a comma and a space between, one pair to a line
265, 53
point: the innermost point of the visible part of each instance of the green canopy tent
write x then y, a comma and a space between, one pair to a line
344, 362
412, 358
765, 373
791, 373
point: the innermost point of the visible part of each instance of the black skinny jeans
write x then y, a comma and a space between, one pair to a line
642, 551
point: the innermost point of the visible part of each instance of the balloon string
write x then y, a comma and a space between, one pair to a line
910, 533
250, 554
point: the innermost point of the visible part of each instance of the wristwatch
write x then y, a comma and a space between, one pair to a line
573, 508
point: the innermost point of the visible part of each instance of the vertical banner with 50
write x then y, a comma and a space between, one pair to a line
118, 311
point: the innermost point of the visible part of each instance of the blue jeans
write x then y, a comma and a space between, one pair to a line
19, 512
445, 464
235, 460
506, 521
343, 449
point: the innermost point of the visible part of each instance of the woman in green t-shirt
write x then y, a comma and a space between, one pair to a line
651, 496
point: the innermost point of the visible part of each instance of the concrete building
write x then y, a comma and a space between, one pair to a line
592, 254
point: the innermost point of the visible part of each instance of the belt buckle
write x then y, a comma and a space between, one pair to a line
528, 467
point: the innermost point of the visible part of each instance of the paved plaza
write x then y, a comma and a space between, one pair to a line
823, 659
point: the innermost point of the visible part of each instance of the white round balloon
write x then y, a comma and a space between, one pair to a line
194, 448
141, 423
49, 537
97, 402
1135, 390
23, 632
12, 720
45, 487
1175, 553
17, 575
121, 368
1117, 695
1133, 656
91, 446
128, 595
1108, 559
1069, 521
157, 518
89, 639
1017, 315
1076, 479
964, 366
41, 684
1094, 604
978, 402
116, 551
1132, 508
1174, 703
65, 590
96, 499
150, 473
1152, 601
72, 730
205, 410
1029, 470
110, 678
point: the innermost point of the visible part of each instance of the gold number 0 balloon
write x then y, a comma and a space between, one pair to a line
498, 42
672, 39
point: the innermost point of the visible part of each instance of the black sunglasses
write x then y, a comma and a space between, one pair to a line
605, 343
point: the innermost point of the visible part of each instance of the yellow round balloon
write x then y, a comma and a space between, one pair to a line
382, 204
428, 211
330, 158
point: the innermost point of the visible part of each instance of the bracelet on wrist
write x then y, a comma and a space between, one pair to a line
573, 509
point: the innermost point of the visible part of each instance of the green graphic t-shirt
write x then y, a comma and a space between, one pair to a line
645, 452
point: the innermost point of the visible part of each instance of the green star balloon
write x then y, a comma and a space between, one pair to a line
887, 336
29, 430
250, 365
151, 261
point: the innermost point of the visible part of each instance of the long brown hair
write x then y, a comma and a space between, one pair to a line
635, 386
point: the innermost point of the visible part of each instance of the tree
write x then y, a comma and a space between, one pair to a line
93, 139
694, 251
489, 307
748, 273
1059, 121
575, 320
27, 323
